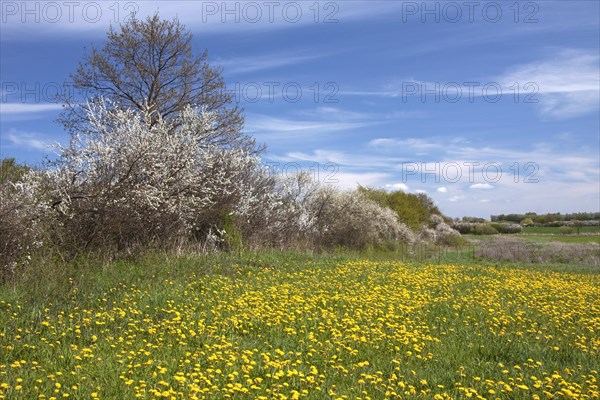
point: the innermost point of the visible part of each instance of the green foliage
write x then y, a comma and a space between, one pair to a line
546, 218
233, 234
508, 228
484, 229
526, 221
474, 220
414, 210
10, 171
566, 230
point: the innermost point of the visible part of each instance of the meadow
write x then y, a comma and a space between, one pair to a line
289, 326
587, 234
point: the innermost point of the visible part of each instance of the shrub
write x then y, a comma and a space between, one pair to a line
484, 229
427, 235
507, 249
277, 214
526, 222
508, 228
464, 228
413, 210
10, 171
444, 233
352, 220
566, 230
24, 217
133, 180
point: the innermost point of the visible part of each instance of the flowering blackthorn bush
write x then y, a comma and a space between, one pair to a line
23, 221
131, 179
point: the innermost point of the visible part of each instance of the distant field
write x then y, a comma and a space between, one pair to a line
588, 234
291, 328
556, 230
562, 238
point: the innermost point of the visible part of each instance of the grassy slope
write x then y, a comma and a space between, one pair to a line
274, 324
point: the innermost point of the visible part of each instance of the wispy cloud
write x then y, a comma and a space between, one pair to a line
565, 85
207, 17
350, 180
310, 123
27, 140
458, 174
411, 143
484, 186
568, 83
27, 108
260, 124
238, 65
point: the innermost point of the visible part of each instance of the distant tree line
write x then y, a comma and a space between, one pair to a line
546, 218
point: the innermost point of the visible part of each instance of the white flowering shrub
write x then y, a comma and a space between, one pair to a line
444, 233
293, 220
427, 235
23, 222
351, 219
507, 228
131, 179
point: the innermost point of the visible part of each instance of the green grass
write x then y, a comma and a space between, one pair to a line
562, 238
285, 325
589, 234
555, 230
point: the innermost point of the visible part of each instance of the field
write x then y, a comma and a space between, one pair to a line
587, 234
284, 326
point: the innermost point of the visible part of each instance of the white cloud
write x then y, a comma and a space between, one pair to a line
351, 180
318, 156
222, 17
27, 108
257, 124
397, 186
564, 86
262, 62
336, 113
27, 140
574, 175
567, 84
485, 186
408, 143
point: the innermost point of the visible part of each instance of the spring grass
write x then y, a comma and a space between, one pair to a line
285, 325
555, 230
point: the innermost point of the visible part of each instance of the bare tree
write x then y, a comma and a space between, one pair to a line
150, 65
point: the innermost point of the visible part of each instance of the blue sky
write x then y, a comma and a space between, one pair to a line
489, 107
